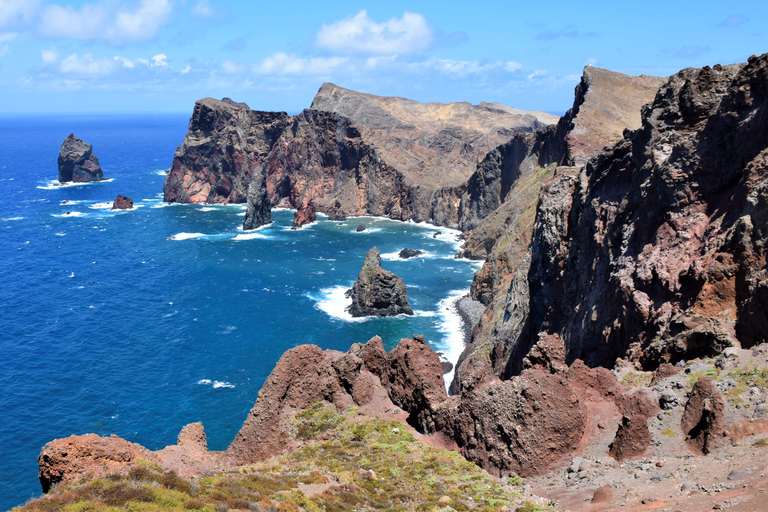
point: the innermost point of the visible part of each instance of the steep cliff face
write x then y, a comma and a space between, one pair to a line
432, 144
351, 154
499, 208
653, 252
661, 256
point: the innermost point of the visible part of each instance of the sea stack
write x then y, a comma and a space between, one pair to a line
304, 215
122, 203
377, 292
77, 162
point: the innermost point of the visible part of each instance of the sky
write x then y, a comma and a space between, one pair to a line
67, 56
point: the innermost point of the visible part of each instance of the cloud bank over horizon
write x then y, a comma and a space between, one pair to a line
164, 54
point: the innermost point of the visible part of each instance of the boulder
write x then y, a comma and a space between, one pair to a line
703, 419
66, 460
410, 253
304, 215
122, 203
377, 292
632, 438
360, 228
77, 163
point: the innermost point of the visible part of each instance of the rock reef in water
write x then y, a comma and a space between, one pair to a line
77, 163
377, 292
303, 216
122, 203
409, 253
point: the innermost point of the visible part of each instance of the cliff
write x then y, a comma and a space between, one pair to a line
644, 253
351, 154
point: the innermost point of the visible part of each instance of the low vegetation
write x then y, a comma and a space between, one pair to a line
347, 464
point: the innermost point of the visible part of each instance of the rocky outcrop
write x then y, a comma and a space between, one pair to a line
644, 253
350, 154
377, 292
65, 460
303, 216
703, 419
409, 253
122, 203
77, 163
434, 145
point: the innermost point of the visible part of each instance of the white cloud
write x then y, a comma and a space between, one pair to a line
473, 67
11, 10
98, 21
186, 69
359, 34
202, 8
537, 73
7, 37
86, 65
49, 56
160, 60
284, 64
231, 68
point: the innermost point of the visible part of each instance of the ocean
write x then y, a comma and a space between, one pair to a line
138, 322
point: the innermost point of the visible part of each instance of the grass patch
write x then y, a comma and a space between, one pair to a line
637, 379
348, 464
669, 432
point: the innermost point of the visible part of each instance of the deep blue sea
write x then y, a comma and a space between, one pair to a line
136, 323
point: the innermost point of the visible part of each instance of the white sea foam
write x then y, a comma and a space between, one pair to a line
69, 214
61, 234
162, 173
207, 209
187, 236
366, 231
333, 302
250, 236
204, 381
452, 329
220, 384
56, 184
13, 218
101, 206
395, 256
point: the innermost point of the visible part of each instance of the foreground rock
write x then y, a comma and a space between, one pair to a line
77, 163
305, 215
377, 292
122, 203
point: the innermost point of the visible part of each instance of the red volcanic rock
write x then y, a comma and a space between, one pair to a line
662, 372
193, 435
703, 422
632, 438
66, 460
374, 357
77, 162
304, 215
415, 380
122, 203
548, 354
526, 425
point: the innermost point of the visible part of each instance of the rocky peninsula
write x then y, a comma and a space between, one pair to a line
620, 362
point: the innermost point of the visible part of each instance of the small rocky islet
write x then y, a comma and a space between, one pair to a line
620, 361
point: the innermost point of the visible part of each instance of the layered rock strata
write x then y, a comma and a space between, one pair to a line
77, 163
377, 292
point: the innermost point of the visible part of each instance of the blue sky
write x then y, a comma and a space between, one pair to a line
162, 55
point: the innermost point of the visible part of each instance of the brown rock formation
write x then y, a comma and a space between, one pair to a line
502, 198
77, 162
415, 380
703, 419
377, 292
632, 438
304, 215
65, 460
432, 144
122, 203
654, 251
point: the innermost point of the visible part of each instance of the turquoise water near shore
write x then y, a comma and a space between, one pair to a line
136, 323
